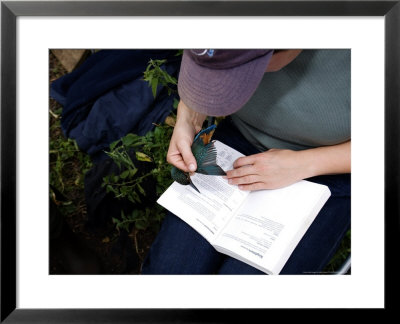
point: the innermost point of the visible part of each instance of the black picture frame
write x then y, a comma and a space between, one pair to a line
10, 10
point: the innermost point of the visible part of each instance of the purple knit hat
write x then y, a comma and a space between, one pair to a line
219, 82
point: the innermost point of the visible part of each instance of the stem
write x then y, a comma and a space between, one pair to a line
123, 222
136, 241
155, 145
132, 181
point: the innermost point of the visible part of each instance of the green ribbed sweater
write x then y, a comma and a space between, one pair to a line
304, 105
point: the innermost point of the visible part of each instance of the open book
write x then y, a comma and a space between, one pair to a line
260, 228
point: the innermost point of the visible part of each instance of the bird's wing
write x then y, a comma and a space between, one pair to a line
205, 153
207, 161
202, 139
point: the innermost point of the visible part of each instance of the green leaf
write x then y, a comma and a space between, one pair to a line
143, 157
141, 190
135, 214
170, 78
175, 104
129, 139
124, 190
141, 225
114, 144
131, 199
154, 84
136, 197
158, 131
148, 77
124, 174
132, 172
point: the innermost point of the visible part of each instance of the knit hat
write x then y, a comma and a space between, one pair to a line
218, 82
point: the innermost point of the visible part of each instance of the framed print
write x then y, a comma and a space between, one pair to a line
30, 28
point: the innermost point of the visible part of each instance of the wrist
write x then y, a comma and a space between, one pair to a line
311, 167
187, 116
335, 159
307, 165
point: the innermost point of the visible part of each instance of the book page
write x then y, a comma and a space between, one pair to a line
269, 225
208, 211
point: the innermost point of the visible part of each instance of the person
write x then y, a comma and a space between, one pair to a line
288, 112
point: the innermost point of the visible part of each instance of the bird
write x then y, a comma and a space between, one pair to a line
205, 154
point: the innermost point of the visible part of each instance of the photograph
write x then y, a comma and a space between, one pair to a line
271, 146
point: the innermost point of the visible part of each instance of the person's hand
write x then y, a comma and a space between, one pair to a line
278, 168
188, 124
179, 152
268, 170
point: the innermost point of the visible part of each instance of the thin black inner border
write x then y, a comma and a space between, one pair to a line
10, 10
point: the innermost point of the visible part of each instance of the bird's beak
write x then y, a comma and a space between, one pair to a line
194, 187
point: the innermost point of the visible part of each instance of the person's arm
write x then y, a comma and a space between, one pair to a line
277, 168
188, 124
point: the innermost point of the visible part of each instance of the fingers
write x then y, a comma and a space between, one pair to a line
244, 180
187, 156
245, 160
176, 161
272, 169
180, 154
188, 123
242, 166
253, 186
176, 158
242, 171
245, 174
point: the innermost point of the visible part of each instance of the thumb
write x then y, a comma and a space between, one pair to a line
188, 157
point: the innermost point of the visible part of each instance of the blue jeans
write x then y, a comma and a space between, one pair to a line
178, 249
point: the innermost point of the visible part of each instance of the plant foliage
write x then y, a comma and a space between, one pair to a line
155, 75
65, 157
151, 148
128, 184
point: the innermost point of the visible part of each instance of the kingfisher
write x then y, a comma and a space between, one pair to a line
205, 154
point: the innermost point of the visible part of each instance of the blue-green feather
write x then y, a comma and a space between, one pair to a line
179, 176
206, 154
206, 158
